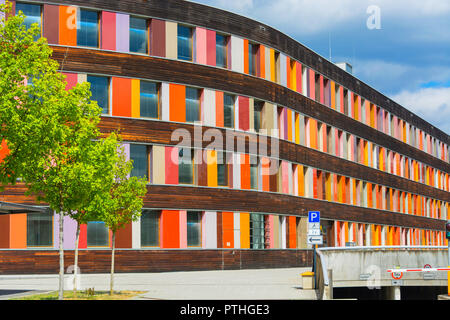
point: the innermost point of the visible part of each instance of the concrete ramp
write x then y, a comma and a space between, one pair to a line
367, 266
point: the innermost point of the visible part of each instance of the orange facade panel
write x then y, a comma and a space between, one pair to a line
246, 56
122, 89
170, 229
67, 25
262, 61
245, 230
228, 229
177, 103
292, 232
245, 171
18, 234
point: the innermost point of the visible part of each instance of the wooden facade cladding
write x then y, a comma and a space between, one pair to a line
229, 200
126, 261
267, 202
144, 67
227, 22
159, 132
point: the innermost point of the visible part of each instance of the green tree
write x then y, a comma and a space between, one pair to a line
52, 139
50, 131
100, 175
122, 203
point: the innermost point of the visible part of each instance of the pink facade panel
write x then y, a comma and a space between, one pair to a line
108, 30
360, 110
322, 96
122, 32
210, 47
71, 79
312, 84
298, 69
285, 176
200, 45
171, 165
271, 235
183, 229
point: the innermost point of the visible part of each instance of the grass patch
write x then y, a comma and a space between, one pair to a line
84, 295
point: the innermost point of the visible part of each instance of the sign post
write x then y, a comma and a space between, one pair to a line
314, 235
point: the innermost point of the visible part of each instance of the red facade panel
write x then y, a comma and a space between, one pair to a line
50, 23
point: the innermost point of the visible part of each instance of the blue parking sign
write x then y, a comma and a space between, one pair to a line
313, 216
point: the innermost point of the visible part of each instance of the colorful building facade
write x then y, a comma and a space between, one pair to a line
240, 131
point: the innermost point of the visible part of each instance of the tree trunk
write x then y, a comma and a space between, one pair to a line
61, 256
75, 270
112, 263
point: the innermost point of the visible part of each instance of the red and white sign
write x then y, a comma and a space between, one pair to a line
397, 275
418, 270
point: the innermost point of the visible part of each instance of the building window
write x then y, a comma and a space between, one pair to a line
87, 31
185, 43
192, 104
317, 88
149, 100
139, 155
100, 91
254, 172
194, 229
150, 228
345, 102
221, 51
257, 115
228, 111
185, 166
40, 229
277, 67
337, 95
330, 142
252, 59
256, 231
222, 169
33, 13
97, 234
138, 35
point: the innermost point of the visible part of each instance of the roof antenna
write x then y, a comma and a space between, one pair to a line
329, 44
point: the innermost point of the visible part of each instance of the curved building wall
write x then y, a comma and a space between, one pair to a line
291, 133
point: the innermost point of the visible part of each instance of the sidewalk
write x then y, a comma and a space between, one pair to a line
260, 284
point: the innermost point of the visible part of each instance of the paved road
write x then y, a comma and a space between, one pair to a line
270, 284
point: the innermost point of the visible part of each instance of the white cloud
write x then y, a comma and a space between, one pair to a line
419, 8
406, 24
390, 77
313, 16
380, 68
432, 104
305, 16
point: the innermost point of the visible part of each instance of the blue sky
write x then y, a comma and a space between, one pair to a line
407, 58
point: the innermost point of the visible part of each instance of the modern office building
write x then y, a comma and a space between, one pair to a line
240, 130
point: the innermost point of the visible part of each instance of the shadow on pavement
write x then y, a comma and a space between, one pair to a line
10, 292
